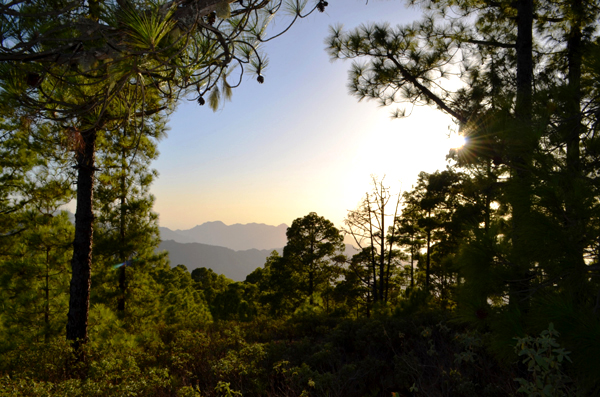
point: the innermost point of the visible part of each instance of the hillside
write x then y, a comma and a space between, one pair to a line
234, 264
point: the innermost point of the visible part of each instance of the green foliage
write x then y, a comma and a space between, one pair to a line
509, 233
182, 305
432, 208
108, 331
311, 251
544, 358
134, 61
46, 370
228, 300
34, 278
145, 31
210, 283
312, 354
305, 274
278, 292
223, 390
35, 235
237, 302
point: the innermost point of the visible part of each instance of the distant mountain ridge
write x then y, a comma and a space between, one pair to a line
237, 237
233, 264
234, 251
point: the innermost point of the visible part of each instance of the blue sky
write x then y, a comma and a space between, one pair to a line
297, 143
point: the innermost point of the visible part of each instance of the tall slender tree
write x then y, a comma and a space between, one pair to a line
530, 102
409, 235
126, 229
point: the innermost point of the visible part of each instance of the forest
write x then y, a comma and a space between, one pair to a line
480, 280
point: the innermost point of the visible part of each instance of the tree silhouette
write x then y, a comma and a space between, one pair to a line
313, 245
367, 227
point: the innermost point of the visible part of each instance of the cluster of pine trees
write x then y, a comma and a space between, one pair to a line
452, 281
510, 233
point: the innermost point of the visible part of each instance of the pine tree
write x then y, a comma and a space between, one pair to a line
181, 304
96, 67
35, 243
126, 229
211, 283
311, 250
529, 104
35, 278
404, 65
278, 286
409, 235
437, 209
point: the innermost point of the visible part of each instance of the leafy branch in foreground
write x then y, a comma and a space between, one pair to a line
544, 358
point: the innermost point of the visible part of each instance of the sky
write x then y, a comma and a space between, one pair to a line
298, 143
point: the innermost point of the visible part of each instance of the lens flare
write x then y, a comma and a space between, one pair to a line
456, 141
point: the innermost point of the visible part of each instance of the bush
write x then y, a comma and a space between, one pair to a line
544, 357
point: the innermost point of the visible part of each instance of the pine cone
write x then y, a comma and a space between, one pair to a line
33, 79
321, 5
211, 18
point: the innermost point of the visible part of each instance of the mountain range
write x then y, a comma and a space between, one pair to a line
234, 251
235, 265
237, 237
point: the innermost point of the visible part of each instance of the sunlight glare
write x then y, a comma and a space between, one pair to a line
396, 149
456, 141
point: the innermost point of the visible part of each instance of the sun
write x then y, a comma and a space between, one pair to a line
456, 141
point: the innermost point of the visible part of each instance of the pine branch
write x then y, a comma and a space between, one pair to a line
426, 91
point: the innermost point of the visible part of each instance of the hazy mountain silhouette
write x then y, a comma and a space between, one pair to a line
236, 237
234, 264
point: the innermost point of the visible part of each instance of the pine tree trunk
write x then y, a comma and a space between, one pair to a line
122, 273
522, 144
373, 263
47, 292
428, 262
81, 263
122, 287
311, 272
488, 196
374, 275
412, 266
574, 195
382, 252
